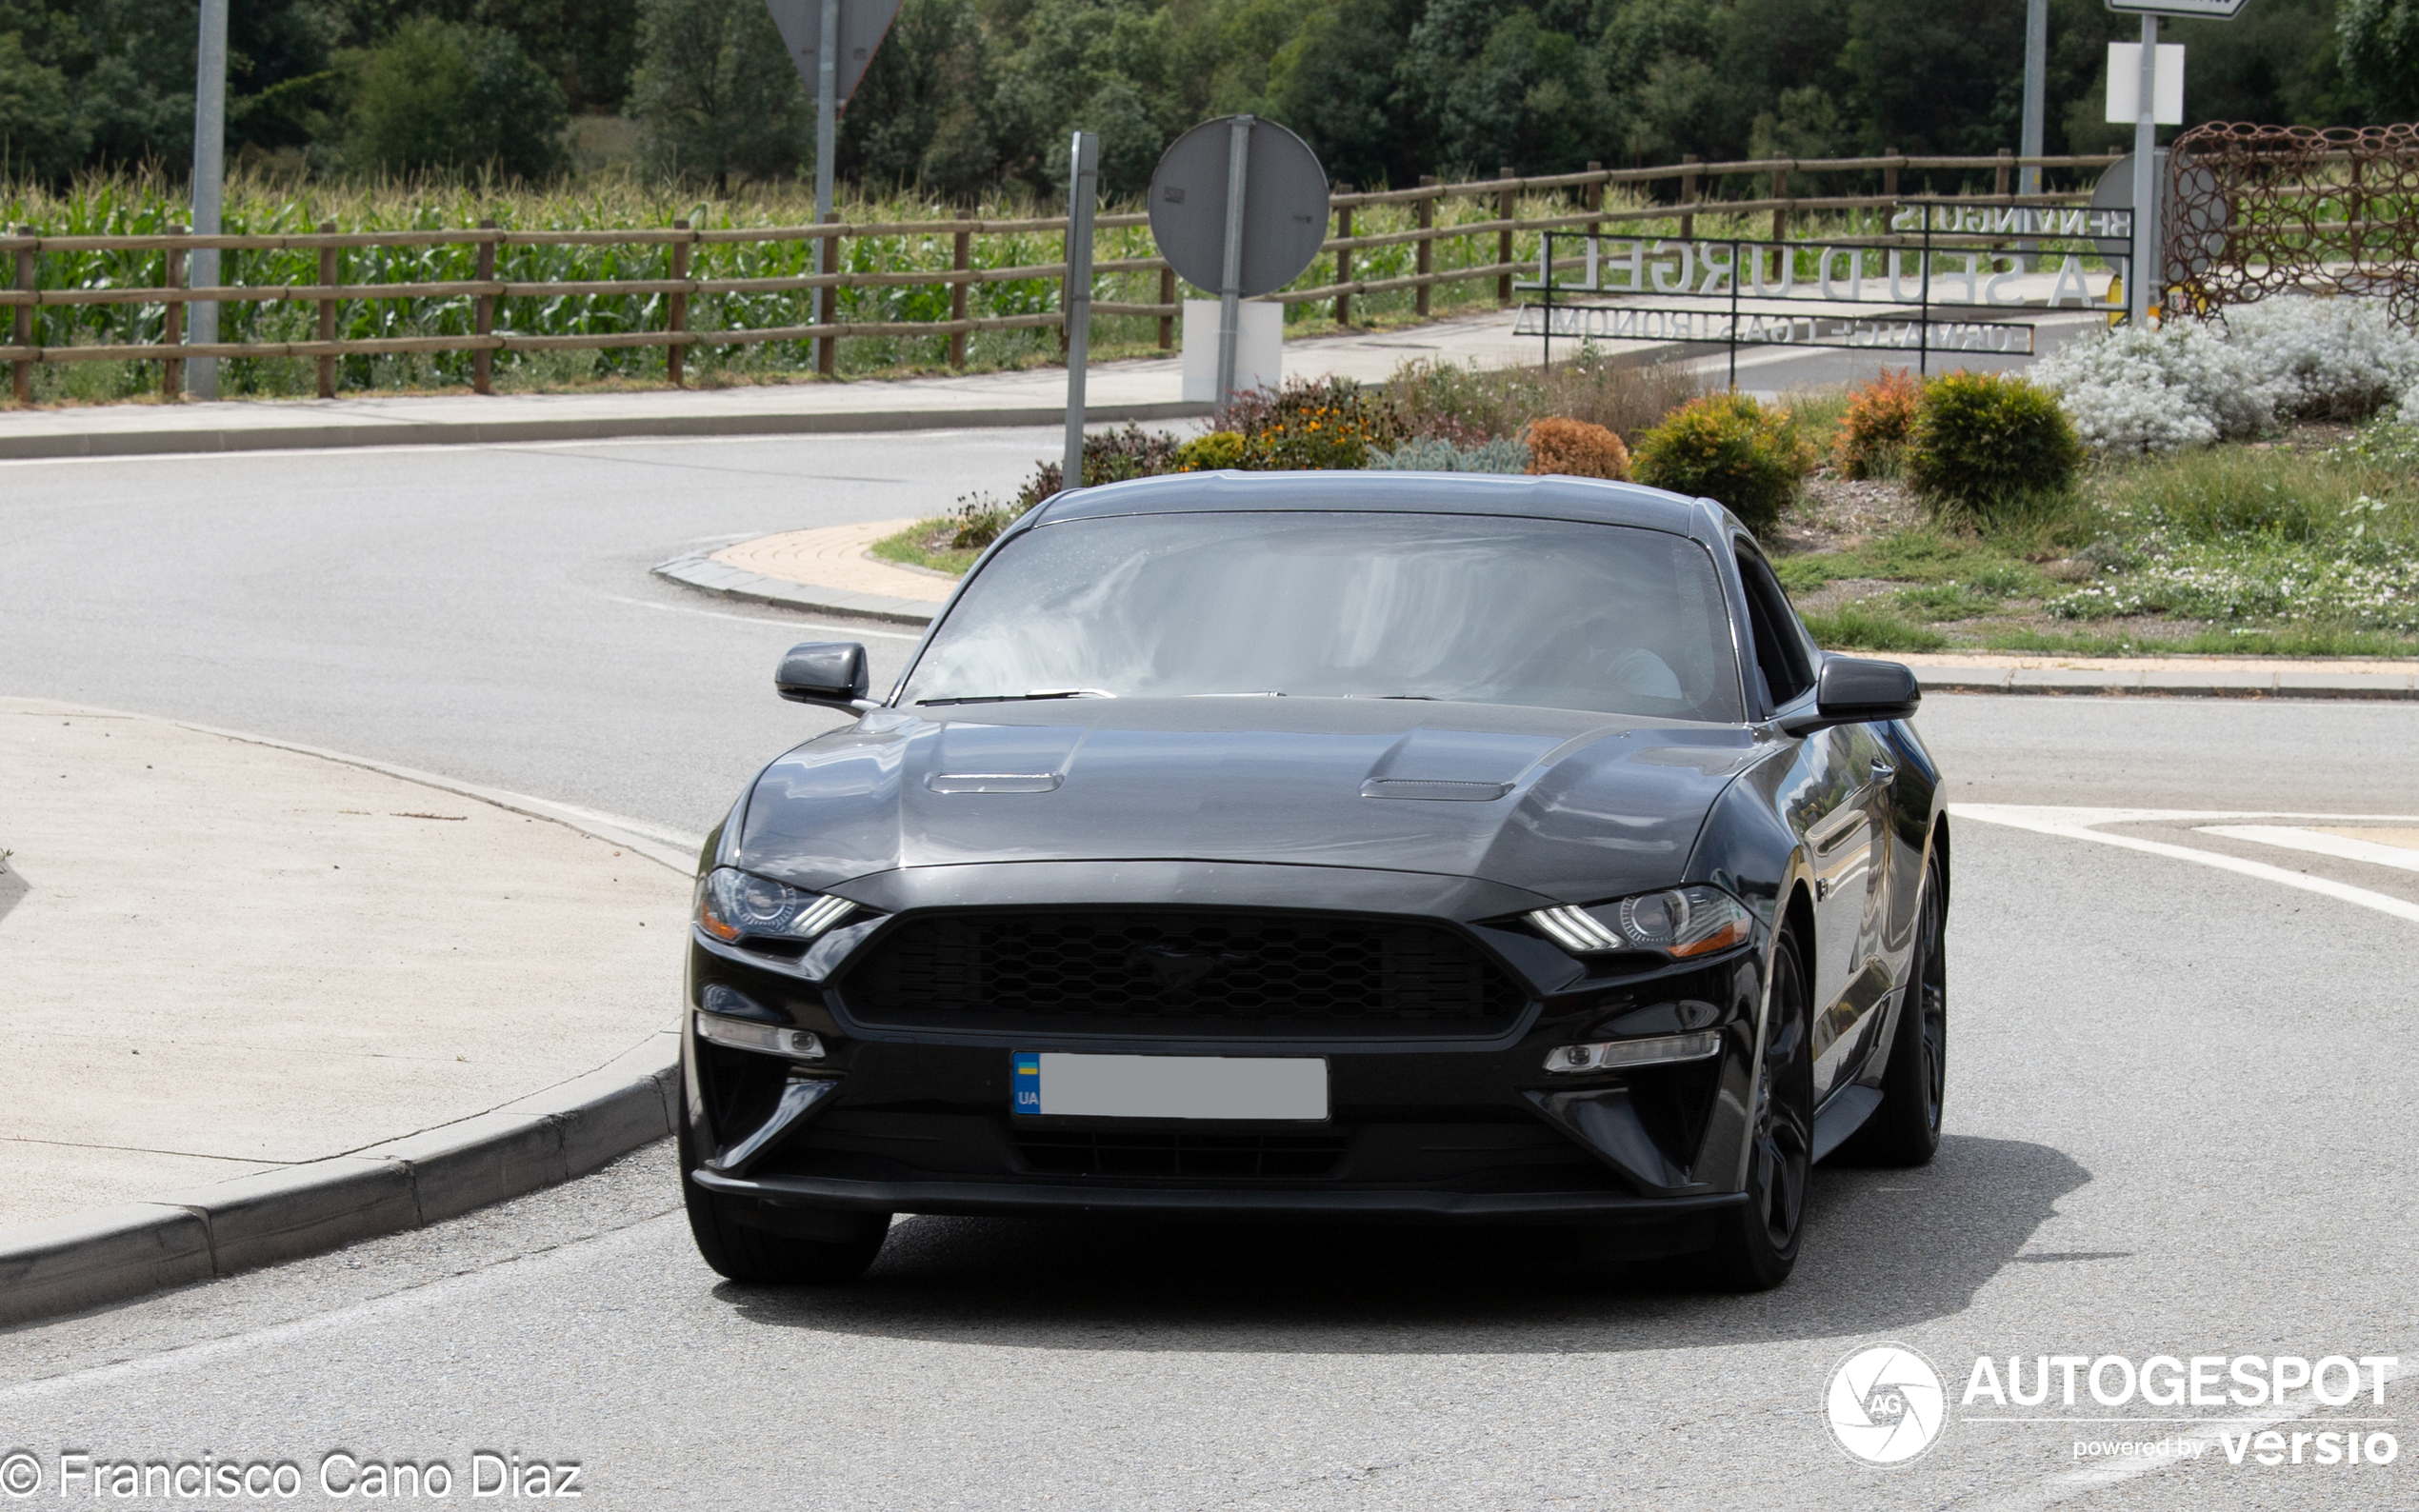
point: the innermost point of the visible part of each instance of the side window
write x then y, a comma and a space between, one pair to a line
1780, 644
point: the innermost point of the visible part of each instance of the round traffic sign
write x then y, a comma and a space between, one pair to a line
1285, 206
2202, 229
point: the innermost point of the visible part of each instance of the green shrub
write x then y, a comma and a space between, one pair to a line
1985, 443
1732, 450
1880, 419
1213, 452
1311, 424
1468, 405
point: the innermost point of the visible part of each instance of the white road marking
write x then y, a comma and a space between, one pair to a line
2343, 847
2078, 824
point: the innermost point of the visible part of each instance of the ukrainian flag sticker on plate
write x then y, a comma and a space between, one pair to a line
1029, 1084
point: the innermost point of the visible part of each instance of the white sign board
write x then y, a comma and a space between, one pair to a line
2125, 84
2193, 10
1259, 355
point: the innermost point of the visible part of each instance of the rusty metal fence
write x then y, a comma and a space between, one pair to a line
2261, 210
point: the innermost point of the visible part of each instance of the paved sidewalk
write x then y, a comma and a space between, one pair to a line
226, 966
1144, 389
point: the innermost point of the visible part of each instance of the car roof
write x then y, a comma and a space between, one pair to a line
1589, 500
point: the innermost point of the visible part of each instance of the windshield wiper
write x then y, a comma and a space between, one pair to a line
1016, 698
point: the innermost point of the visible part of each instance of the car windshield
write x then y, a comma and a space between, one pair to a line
1549, 614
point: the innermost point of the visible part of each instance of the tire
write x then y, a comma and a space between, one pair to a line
1904, 1131
1757, 1245
837, 1248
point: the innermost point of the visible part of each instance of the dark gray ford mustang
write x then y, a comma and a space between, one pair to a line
1380, 845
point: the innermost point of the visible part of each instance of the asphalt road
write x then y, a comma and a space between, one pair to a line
2178, 1119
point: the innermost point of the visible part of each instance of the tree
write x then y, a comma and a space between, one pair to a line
40, 135
715, 93
2378, 42
442, 95
923, 113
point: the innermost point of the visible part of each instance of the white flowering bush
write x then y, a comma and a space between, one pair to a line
2327, 358
2134, 388
1440, 455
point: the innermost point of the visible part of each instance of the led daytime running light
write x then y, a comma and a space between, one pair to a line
1681, 923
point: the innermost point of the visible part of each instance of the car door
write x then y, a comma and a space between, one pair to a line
1836, 798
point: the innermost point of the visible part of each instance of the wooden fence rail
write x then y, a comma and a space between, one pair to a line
1698, 191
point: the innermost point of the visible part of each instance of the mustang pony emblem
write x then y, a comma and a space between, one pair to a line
1178, 969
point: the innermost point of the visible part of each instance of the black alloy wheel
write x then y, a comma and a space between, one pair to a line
1904, 1131
1756, 1244
818, 1247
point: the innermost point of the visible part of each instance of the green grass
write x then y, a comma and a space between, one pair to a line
1934, 602
913, 546
1863, 627
1923, 554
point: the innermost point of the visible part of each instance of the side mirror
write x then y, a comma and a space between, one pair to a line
830, 674
1851, 690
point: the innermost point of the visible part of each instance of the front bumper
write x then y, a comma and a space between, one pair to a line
1421, 1127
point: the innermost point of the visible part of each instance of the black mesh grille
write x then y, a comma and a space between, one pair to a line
1080, 1152
1237, 972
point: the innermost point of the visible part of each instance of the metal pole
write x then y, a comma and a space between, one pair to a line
2144, 272
1923, 289
1734, 304
2036, 61
210, 168
827, 133
1230, 275
1545, 361
1083, 194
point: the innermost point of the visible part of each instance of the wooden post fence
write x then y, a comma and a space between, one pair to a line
961, 259
21, 371
1361, 243
172, 326
483, 318
677, 313
1506, 201
329, 268
1343, 260
1427, 204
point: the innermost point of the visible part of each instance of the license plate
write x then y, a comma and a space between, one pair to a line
1223, 1087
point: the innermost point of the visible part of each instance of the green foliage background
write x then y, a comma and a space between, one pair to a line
969, 95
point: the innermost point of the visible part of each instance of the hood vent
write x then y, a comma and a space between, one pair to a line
1451, 792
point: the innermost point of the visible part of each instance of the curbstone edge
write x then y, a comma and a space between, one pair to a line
112, 1254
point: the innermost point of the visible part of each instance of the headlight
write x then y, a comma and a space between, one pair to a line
733, 905
1681, 923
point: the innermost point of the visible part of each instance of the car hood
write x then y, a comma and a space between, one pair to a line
1572, 805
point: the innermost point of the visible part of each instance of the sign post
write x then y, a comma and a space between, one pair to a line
1083, 196
1231, 265
832, 44
210, 173
2147, 273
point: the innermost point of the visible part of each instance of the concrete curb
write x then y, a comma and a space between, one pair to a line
111, 1254
308, 434
2090, 683
726, 582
